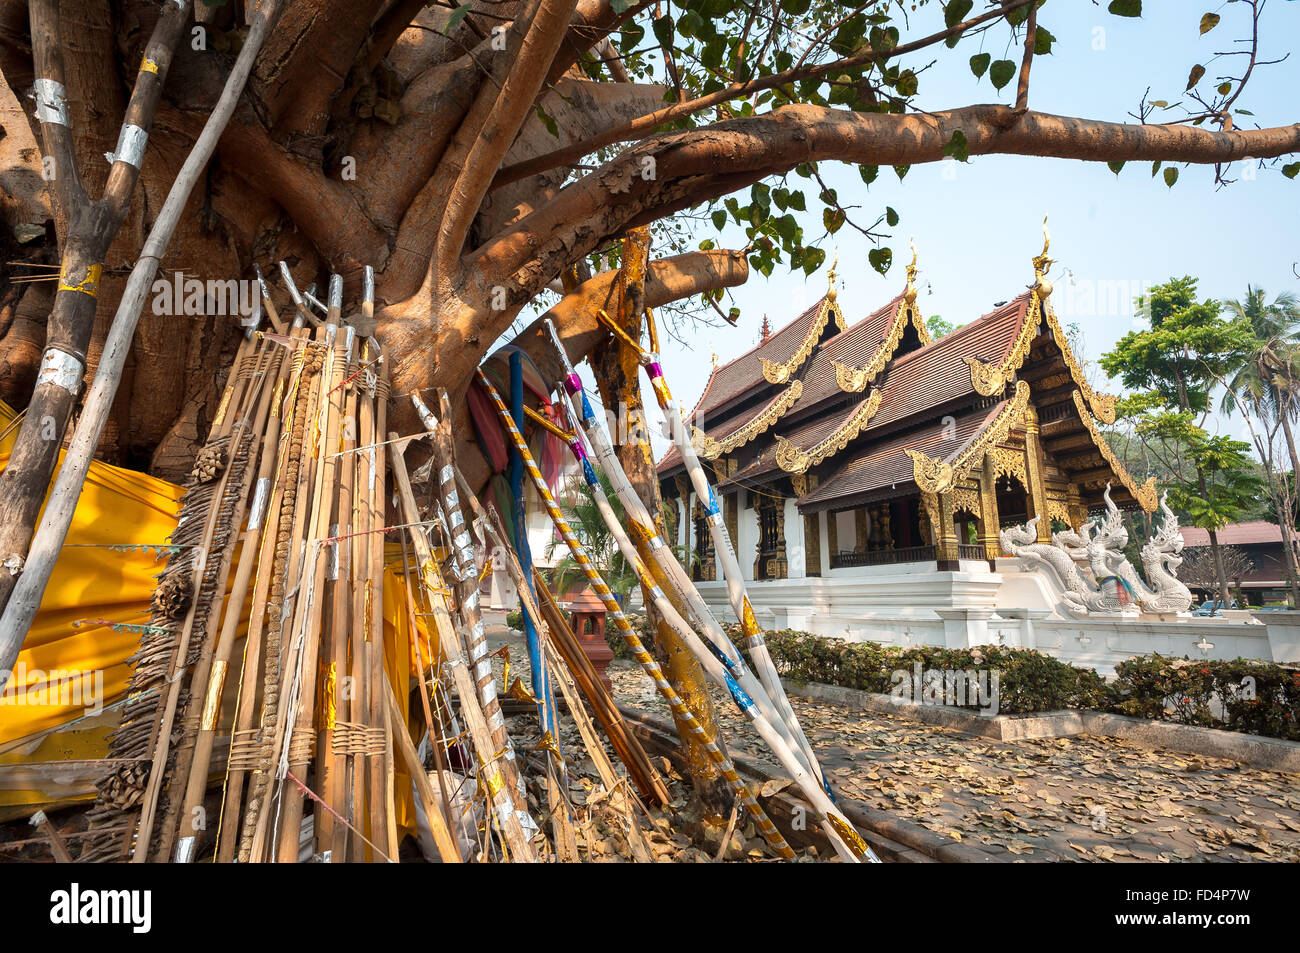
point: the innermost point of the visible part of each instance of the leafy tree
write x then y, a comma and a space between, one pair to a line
478, 154
938, 326
1264, 390
1173, 367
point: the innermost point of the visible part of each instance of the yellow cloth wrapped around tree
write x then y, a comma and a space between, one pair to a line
59, 707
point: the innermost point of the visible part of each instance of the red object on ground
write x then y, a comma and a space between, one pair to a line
587, 607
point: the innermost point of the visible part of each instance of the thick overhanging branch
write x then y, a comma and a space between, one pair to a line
697, 165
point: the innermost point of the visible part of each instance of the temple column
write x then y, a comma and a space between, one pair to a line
1035, 467
942, 530
989, 519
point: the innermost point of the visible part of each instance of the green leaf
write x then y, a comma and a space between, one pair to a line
891, 217
900, 171
796, 7
1155, 167
1043, 41
690, 23
664, 30
719, 219
1194, 76
979, 63
457, 15
1162, 103
1225, 88
813, 260
956, 11
833, 219
958, 147
1171, 176
1115, 166
1126, 8
869, 173
1209, 22
548, 122
1000, 73
906, 84
953, 14
1290, 171
880, 259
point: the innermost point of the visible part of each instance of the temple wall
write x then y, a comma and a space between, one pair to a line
961, 609
795, 556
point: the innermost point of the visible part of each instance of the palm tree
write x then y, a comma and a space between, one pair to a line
583, 517
1268, 385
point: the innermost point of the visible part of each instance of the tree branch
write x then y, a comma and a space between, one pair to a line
647, 124
697, 165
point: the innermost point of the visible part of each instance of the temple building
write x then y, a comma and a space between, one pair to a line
857, 451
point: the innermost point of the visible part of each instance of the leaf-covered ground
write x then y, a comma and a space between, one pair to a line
1083, 799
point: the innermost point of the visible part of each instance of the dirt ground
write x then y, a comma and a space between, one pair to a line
1088, 798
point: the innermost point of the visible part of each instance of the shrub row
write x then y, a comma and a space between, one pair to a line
1243, 695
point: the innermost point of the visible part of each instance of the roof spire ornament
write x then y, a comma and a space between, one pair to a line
910, 292
1042, 264
765, 332
713, 356
830, 276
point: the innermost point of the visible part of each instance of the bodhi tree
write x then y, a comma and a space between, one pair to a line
481, 156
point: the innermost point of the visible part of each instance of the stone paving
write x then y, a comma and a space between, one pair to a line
1082, 799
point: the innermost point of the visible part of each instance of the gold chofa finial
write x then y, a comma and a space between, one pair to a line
830, 275
713, 356
1042, 264
910, 293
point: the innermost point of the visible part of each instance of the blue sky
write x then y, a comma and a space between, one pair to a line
977, 224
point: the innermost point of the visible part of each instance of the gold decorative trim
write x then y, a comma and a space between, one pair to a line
775, 373
711, 449
852, 380
1009, 462
939, 476
1146, 493
966, 500
793, 460
987, 379
800, 483
1058, 510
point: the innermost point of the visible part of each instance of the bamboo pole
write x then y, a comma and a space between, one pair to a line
307, 621
448, 848
379, 765
679, 708
466, 583
163, 731
501, 797
201, 759
246, 706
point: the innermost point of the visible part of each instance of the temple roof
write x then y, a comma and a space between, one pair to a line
887, 466
865, 402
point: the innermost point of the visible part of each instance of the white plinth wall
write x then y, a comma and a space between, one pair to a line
914, 604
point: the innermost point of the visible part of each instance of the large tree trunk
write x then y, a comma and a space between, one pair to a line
617, 375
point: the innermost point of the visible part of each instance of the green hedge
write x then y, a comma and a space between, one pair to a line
1261, 698
1028, 681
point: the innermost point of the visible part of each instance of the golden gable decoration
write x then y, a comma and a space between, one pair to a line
939, 476
793, 460
775, 373
1146, 493
988, 380
852, 380
711, 449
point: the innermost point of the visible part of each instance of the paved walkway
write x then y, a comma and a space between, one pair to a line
1082, 799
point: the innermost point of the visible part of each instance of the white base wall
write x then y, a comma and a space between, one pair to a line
914, 604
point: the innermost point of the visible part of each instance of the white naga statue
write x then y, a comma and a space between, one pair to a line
1115, 584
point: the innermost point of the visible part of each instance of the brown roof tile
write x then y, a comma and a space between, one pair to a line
1235, 534
875, 467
